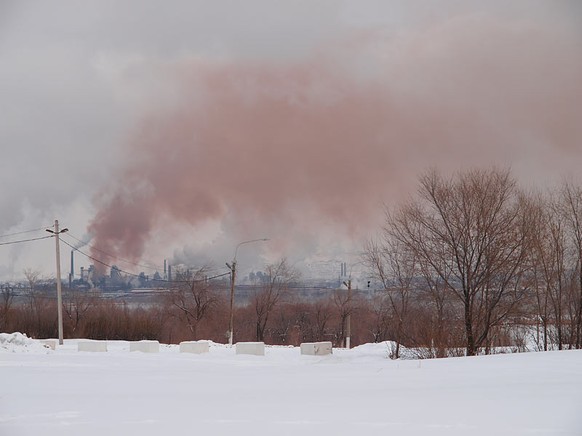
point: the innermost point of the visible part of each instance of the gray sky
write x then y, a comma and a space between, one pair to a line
127, 118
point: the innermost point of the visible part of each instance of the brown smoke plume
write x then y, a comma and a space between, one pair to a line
318, 146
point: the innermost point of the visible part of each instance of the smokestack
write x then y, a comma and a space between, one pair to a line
165, 269
72, 273
170, 273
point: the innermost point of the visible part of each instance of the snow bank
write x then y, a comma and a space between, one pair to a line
20, 343
357, 391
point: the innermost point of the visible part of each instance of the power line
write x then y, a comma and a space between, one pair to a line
26, 240
137, 275
110, 255
99, 261
23, 232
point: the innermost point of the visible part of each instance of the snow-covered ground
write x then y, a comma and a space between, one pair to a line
359, 392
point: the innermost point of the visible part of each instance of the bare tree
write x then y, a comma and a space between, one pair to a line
548, 261
277, 279
322, 314
6, 301
344, 308
380, 327
439, 332
194, 297
572, 208
76, 304
470, 232
395, 268
34, 300
32, 277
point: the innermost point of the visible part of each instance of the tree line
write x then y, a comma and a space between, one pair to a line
197, 308
482, 255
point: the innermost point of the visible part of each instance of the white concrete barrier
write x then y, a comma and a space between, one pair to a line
93, 346
51, 343
196, 347
145, 346
254, 348
316, 348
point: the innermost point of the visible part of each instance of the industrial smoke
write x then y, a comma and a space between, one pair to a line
299, 150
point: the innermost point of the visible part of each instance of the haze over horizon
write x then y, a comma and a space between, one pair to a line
177, 132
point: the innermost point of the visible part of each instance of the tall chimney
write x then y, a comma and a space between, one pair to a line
72, 273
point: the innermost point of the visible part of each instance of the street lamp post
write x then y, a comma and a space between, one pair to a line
232, 268
57, 232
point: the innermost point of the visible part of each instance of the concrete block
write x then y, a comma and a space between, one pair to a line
196, 347
145, 346
93, 346
316, 348
51, 343
253, 348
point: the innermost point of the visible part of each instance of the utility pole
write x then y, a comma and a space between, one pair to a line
231, 321
349, 316
56, 232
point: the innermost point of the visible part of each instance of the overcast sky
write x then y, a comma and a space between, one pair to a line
178, 129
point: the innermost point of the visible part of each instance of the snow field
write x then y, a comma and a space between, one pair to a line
358, 391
